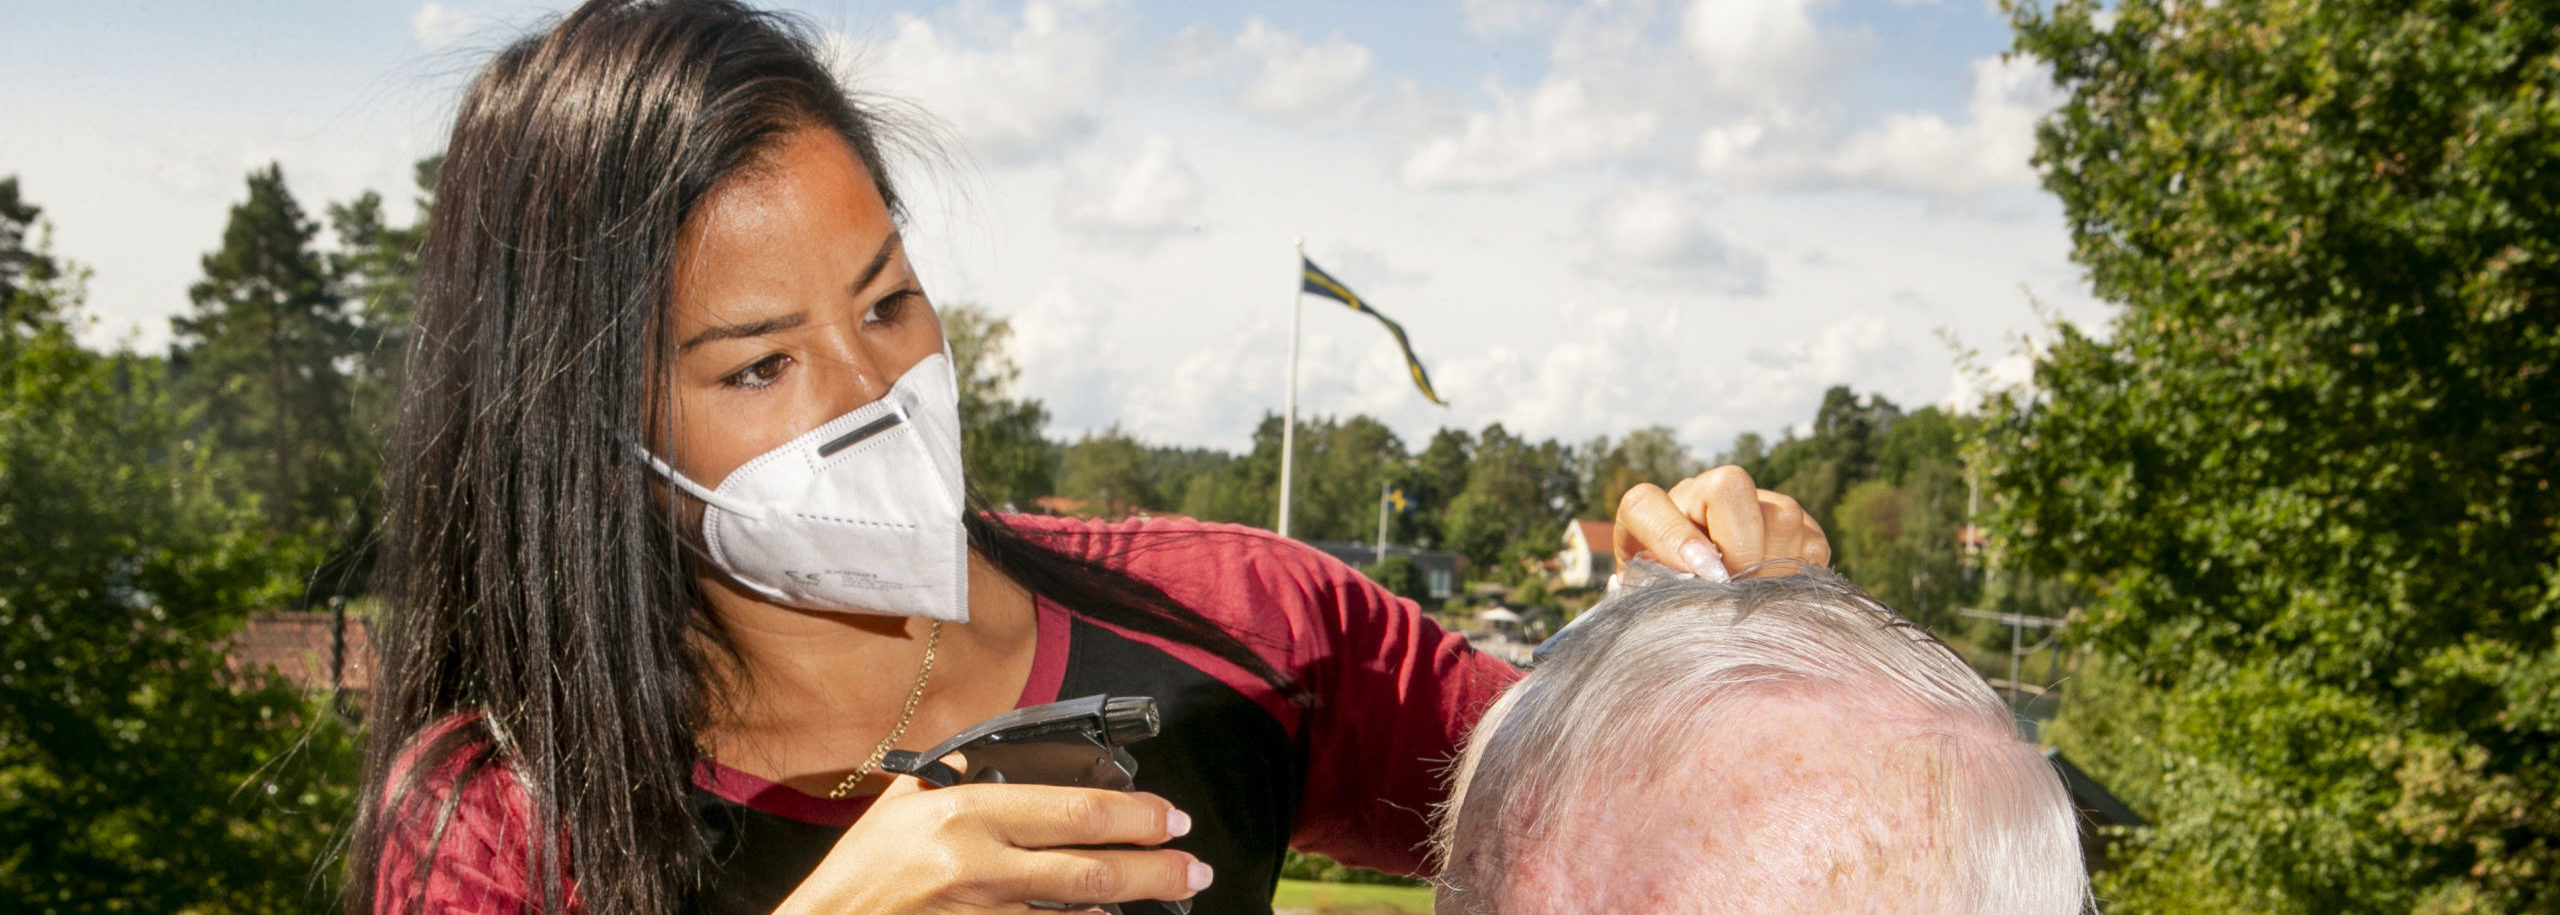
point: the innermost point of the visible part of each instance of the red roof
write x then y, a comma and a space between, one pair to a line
299, 646
1600, 536
1061, 506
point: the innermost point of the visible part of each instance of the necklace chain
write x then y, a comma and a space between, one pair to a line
932, 640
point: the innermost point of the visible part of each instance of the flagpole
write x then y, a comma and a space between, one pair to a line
1289, 421
1382, 521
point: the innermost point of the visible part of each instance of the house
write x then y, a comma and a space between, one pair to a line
1589, 556
1062, 506
316, 651
1439, 570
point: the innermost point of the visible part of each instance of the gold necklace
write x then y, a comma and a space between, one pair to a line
932, 640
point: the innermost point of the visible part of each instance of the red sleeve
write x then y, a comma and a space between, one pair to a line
476, 866
1394, 693
1397, 695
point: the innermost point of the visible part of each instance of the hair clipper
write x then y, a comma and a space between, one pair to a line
1076, 743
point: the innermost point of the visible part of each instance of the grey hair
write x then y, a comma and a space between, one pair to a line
1666, 663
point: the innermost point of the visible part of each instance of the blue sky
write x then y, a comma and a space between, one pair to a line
1589, 216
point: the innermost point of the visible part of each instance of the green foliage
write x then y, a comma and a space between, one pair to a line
1844, 449
136, 772
25, 268
1897, 533
1340, 465
1514, 501
262, 364
1533, 593
1007, 459
376, 269
1398, 574
1648, 455
2307, 474
1318, 868
1109, 470
1242, 490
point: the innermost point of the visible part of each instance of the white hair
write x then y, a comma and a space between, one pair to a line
1630, 693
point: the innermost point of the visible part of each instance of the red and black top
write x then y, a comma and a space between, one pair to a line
1352, 775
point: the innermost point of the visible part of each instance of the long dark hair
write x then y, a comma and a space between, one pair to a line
542, 618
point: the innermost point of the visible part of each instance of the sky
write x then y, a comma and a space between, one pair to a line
1589, 217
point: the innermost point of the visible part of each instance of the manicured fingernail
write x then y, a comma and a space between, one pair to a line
1705, 560
1176, 824
1200, 874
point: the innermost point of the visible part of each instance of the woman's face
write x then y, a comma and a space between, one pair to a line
794, 304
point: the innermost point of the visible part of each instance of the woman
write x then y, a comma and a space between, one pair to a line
678, 549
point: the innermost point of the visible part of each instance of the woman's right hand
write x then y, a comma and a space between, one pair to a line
996, 848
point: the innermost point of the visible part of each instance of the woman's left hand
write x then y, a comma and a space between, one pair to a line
1719, 517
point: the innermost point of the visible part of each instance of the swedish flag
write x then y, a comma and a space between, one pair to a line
1321, 283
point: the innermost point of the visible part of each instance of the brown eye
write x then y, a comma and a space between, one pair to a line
889, 310
762, 374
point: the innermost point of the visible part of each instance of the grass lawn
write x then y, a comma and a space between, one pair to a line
1302, 894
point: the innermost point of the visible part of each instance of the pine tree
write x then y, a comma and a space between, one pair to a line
138, 773
23, 265
376, 271
264, 358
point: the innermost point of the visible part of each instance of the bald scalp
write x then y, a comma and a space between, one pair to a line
1770, 745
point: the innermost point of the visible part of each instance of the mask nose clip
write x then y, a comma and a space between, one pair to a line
868, 431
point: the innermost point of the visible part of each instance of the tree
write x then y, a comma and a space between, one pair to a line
1007, 458
1514, 503
136, 772
2307, 474
1431, 481
1649, 455
1896, 534
1399, 576
376, 268
25, 268
263, 360
1848, 436
1338, 474
1109, 470
1243, 490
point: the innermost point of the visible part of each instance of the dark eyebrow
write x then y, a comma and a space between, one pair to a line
749, 329
879, 261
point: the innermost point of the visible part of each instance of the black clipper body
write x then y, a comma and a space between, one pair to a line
1077, 743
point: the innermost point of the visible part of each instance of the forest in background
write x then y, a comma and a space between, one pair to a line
157, 500
2294, 501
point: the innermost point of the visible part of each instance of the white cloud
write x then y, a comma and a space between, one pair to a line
1971, 385
1663, 238
436, 25
1990, 150
1854, 349
1771, 146
1366, 266
1312, 85
1753, 44
1558, 125
1139, 200
1275, 75
1012, 89
1069, 358
1755, 80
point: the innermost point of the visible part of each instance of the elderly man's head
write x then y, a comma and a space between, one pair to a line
1766, 745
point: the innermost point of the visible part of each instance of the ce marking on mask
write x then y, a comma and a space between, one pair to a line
844, 578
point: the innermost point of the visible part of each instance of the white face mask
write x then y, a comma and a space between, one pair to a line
860, 515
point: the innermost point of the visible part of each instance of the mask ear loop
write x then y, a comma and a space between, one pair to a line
691, 488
